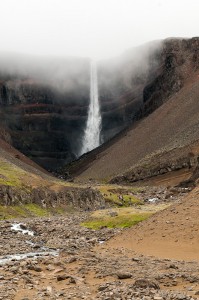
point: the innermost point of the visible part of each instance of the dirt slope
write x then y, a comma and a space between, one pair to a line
18, 158
171, 233
23, 182
172, 126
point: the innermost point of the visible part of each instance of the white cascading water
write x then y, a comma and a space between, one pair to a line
91, 138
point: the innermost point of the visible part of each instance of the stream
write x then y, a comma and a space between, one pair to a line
34, 255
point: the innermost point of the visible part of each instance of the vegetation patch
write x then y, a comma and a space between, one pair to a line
29, 210
36, 210
10, 174
121, 196
120, 218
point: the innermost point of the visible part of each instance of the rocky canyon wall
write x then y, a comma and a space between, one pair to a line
44, 106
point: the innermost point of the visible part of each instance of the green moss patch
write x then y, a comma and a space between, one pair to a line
10, 174
121, 196
22, 211
120, 221
36, 210
29, 210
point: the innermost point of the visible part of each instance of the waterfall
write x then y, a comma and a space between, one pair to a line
91, 137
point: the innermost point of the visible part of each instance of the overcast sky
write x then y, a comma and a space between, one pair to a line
92, 28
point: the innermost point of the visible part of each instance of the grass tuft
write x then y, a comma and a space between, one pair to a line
29, 210
118, 196
120, 221
9, 174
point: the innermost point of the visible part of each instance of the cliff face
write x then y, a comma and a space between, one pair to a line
39, 122
43, 114
180, 60
137, 83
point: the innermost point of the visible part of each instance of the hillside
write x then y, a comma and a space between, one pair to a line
171, 233
166, 140
27, 190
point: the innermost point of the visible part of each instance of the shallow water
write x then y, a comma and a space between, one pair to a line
19, 227
7, 258
44, 251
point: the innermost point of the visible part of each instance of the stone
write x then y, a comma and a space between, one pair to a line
124, 275
197, 293
37, 269
181, 297
102, 288
72, 280
135, 259
62, 277
145, 283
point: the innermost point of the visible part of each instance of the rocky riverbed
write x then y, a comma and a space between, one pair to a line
73, 262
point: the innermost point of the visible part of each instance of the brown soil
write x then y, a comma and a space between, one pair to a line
172, 233
166, 180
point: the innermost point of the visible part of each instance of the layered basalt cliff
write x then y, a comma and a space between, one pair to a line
43, 114
43, 117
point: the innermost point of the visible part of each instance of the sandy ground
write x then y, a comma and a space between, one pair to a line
172, 233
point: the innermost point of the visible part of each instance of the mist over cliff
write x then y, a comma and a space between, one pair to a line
71, 74
66, 76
